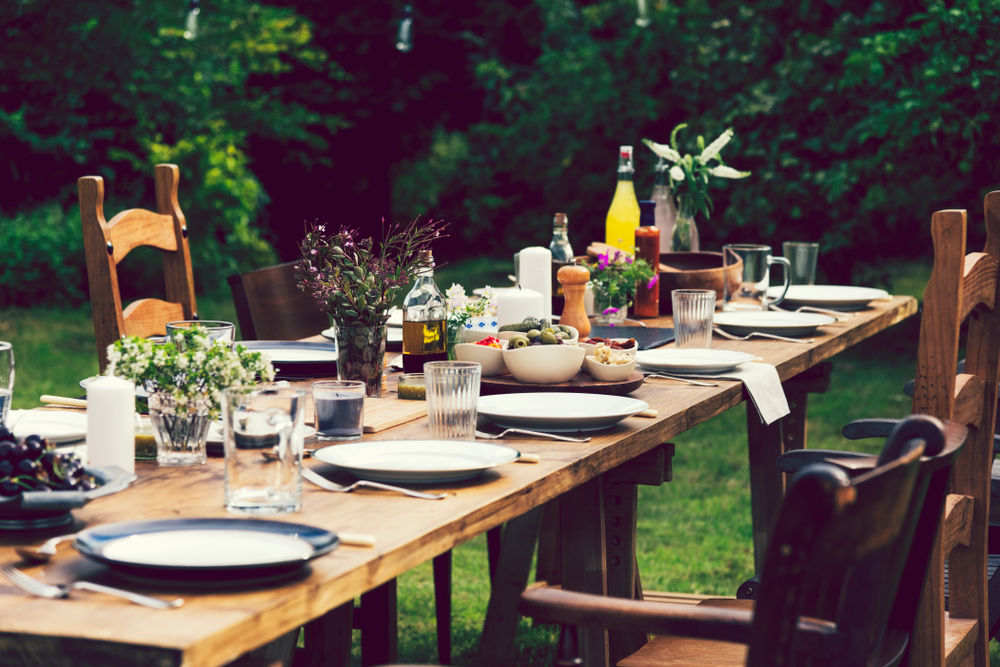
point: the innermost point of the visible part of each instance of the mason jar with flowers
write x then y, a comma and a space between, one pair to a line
355, 281
614, 280
184, 377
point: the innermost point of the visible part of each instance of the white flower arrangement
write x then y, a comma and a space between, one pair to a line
463, 309
191, 368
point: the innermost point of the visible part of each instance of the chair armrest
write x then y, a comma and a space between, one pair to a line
797, 459
682, 620
859, 429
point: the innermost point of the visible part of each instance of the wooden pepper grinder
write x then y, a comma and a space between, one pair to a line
573, 279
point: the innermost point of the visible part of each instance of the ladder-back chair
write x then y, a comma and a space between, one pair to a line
270, 306
106, 245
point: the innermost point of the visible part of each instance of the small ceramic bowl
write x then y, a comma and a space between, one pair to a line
475, 335
605, 373
573, 338
544, 364
490, 358
590, 348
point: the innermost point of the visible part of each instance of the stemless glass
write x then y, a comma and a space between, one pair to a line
263, 432
693, 310
452, 394
215, 329
6, 380
803, 257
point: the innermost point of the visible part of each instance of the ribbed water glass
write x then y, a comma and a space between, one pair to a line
693, 310
452, 394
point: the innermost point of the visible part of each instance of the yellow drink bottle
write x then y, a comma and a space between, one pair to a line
623, 216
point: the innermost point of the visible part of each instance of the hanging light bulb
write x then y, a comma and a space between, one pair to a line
404, 39
643, 19
191, 24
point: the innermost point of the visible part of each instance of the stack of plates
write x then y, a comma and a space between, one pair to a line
833, 297
293, 359
772, 322
691, 361
416, 461
559, 412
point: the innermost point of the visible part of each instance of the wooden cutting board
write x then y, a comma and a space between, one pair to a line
581, 383
389, 411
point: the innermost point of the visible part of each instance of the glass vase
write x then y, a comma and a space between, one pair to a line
181, 432
685, 238
361, 356
456, 335
609, 309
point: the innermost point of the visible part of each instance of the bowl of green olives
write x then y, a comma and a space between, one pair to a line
542, 363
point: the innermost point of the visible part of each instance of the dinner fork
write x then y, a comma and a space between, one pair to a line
35, 587
838, 314
496, 436
324, 483
730, 336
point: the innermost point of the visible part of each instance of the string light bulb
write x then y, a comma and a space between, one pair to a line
191, 24
643, 19
404, 39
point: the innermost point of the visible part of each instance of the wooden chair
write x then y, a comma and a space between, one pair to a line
841, 551
270, 306
961, 286
107, 244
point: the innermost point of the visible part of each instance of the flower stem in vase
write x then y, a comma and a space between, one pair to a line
685, 230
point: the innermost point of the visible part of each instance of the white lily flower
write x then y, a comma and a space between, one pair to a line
722, 171
663, 150
676, 173
715, 147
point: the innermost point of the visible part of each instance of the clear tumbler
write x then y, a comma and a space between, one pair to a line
693, 312
452, 394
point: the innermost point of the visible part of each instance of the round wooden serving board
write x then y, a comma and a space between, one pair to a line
582, 383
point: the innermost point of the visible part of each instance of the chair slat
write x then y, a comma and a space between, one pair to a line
979, 284
957, 522
138, 227
968, 404
149, 317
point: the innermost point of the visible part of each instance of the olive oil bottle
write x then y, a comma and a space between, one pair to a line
425, 314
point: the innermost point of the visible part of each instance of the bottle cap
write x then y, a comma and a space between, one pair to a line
647, 215
625, 152
561, 220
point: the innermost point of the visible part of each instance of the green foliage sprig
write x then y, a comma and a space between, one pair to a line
190, 367
616, 277
690, 174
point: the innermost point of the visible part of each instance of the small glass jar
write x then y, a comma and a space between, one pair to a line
411, 387
145, 439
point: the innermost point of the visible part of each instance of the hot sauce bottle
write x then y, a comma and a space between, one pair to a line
647, 241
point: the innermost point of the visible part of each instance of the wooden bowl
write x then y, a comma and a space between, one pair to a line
695, 270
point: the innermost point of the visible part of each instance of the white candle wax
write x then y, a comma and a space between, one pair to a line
514, 305
111, 423
536, 274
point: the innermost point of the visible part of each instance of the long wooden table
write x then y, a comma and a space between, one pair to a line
212, 629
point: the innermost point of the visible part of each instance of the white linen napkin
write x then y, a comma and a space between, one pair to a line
763, 385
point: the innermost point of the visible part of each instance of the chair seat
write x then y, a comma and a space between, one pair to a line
685, 652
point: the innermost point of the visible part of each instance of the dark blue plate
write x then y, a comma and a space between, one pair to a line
313, 360
99, 543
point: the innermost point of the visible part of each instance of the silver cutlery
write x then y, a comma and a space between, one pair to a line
43, 553
35, 587
680, 379
324, 483
758, 334
553, 436
839, 314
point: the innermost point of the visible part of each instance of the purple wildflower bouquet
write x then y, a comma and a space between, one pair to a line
615, 278
355, 281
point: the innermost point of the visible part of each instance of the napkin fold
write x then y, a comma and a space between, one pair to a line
762, 383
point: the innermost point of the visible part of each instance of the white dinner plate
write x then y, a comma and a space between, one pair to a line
393, 334
558, 412
207, 548
690, 360
56, 426
834, 297
773, 322
416, 461
139, 391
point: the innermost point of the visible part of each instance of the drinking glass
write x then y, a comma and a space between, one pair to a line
6, 380
263, 432
339, 409
751, 292
693, 310
216, 330
452, 394
803, 257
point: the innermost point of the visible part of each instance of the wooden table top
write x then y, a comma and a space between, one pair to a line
214, 628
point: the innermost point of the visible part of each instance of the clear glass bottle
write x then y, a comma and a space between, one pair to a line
666, 211
623, 216
562, 254
425, 318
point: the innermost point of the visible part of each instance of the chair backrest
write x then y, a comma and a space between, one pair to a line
840, 551
270, 306
107, 243
961, 286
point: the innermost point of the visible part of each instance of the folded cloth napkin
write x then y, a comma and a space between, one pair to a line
762, 383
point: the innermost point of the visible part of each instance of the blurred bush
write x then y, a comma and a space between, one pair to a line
42, 258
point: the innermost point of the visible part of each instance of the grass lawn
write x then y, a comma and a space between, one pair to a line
694, 532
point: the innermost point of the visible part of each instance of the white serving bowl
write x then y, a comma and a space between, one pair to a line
544, 364
490, 358
605, 373
573, 338
476, 335
591, 349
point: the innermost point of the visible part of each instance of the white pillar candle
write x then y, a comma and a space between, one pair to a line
111, 423
536, 274
514, 305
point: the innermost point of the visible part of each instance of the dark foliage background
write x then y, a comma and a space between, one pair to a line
858, 119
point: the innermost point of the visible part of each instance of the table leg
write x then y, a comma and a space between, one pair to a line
379, 634
442, 605
581, 519
620, 507
510, 580
767, 483
549, 565
328, 638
